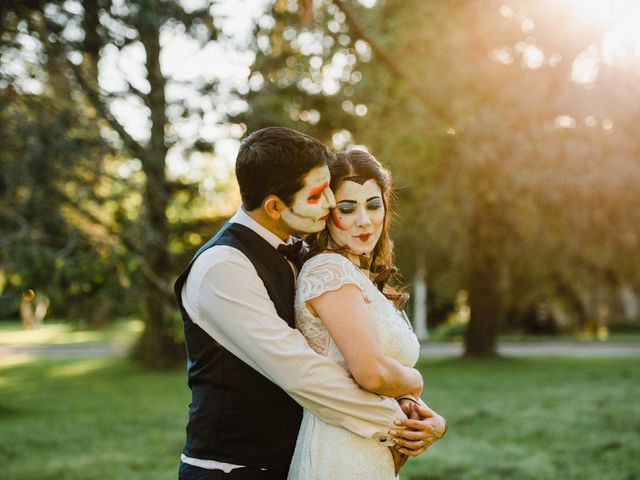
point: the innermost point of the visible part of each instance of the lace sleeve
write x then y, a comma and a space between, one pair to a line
325, 273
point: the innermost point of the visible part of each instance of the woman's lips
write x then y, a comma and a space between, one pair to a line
364, 237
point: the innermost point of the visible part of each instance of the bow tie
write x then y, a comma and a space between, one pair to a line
294, 252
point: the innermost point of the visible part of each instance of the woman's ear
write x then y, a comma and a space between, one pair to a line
273, 206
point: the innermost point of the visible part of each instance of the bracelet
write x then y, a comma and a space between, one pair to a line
407, 397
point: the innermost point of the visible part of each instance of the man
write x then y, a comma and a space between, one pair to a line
249, 369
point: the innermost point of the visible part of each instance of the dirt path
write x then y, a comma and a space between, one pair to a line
429, 349
538, 349
65, 350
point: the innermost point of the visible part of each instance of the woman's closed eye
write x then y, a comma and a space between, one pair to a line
346, 208
374, 204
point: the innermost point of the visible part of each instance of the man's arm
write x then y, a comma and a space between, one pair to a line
234, 308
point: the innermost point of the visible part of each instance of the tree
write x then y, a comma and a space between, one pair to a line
440, 85
41, 246
74, 41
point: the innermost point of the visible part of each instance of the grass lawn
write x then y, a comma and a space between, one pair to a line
533, 418
120, 334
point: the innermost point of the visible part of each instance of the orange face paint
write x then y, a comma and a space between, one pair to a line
315, 191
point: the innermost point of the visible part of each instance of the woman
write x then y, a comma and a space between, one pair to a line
348, 312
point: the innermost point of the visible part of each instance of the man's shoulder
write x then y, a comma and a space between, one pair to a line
219, 264
217, 256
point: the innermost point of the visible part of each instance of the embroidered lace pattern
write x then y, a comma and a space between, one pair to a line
325, 451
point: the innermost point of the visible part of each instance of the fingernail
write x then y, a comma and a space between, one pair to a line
397, 422
393, 432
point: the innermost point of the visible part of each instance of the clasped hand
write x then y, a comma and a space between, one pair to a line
416, 433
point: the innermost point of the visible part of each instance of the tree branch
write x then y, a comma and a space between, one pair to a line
156, 280
94, 97
135, 90
386, 58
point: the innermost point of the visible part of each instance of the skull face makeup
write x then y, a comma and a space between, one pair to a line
358, 218
310, 206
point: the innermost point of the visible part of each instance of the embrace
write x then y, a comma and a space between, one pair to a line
300, 360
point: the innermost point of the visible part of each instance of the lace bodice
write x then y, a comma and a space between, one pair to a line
324, 451
330, 271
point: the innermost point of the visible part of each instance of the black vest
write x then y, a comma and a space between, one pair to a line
237, 415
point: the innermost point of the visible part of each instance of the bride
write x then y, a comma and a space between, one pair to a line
348, 312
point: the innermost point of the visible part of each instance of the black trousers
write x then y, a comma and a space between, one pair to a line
189, 472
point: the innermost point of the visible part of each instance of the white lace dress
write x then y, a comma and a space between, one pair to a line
324, 451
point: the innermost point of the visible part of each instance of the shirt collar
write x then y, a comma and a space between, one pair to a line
243, 218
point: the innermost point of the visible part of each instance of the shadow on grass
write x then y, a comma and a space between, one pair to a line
9, 410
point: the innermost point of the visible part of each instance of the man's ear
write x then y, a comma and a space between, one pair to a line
273, 206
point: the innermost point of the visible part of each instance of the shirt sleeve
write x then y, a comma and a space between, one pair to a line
232, 305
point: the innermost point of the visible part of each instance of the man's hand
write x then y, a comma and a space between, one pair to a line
422, 428
398, 460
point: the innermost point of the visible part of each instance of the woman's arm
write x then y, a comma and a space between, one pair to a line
344, 313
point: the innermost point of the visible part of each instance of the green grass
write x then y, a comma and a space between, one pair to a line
57, 332
533, 418
90, 419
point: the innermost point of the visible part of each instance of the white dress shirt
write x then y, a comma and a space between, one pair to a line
225, 297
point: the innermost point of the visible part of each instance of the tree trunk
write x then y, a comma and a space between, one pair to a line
420, 300
158, 345
485, 296
484, 301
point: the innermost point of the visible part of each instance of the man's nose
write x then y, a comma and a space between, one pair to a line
329, 198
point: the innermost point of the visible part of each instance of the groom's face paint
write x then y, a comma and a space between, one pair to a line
310, 206
358, 218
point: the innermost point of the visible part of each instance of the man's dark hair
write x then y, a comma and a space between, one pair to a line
274, 161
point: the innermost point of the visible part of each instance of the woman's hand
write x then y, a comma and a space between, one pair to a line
423, 427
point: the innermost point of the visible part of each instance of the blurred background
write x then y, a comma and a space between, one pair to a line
510, 128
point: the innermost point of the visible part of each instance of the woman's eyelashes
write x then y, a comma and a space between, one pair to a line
374, 204
347, 207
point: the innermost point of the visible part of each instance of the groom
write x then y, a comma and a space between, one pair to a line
249, 370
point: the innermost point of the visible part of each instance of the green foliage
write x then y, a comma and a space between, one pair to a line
43, 246
100, 224
514, 181
288, 84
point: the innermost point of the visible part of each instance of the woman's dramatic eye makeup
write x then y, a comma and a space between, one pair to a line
374, 203
347, 206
